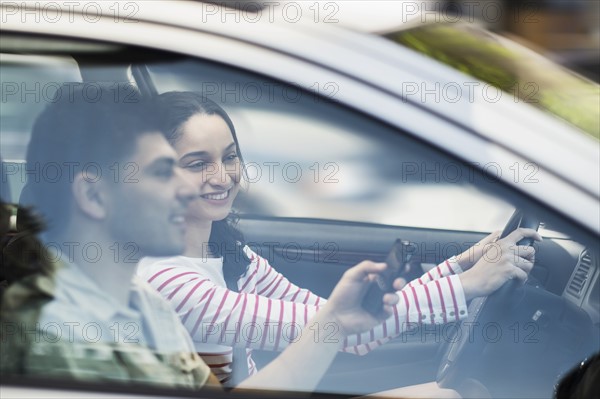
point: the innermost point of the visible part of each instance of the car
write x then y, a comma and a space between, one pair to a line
437, 133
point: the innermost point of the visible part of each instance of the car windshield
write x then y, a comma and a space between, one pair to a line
527, 76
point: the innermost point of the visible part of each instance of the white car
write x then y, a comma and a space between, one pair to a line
434, 133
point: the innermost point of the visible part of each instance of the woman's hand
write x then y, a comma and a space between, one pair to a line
344, 306
500, 261
467, 259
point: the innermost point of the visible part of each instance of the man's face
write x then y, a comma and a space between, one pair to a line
147, 201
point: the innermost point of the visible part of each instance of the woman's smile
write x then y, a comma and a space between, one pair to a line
216, 196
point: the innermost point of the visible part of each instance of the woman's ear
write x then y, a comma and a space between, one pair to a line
89, 196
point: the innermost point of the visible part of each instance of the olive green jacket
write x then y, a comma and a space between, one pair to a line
30, 348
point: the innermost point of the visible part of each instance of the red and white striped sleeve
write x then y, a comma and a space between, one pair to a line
448, 267
436, 297
214, 314
262, 279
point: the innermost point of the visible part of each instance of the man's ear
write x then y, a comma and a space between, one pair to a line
89, 196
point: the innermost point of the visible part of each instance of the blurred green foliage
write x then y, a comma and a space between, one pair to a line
528, 77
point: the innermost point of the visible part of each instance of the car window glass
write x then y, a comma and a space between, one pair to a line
307, 157
28, 82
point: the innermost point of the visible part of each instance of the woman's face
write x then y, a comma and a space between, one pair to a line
206, 150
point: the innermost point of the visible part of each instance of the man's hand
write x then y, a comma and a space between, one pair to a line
302, 364
501, 261
344, 305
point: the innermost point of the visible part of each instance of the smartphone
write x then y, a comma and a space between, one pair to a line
400, 254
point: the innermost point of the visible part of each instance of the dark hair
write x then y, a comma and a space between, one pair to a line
86, 129
225, 240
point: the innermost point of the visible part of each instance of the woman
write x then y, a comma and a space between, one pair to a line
227, 296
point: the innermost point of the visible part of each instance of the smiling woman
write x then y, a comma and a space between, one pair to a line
204, 137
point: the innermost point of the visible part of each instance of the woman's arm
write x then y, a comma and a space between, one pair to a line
459, 263
214, 314
262, 279
436, 302
440, 301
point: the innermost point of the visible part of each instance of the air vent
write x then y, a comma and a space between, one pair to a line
580, 276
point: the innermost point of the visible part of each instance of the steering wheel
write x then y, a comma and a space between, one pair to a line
455, 365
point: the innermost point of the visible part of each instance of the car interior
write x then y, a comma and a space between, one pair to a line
329, 186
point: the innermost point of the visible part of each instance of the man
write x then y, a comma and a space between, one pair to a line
99, 224
117, 195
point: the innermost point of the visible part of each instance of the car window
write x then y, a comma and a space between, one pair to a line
29, 83
306, 157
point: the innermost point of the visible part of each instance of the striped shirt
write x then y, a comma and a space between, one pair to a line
269, 311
